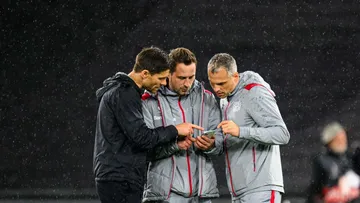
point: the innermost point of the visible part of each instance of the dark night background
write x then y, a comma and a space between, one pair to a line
55, 54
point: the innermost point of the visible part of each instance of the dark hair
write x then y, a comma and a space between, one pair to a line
180, 55
153, 59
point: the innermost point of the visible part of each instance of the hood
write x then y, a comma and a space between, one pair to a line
249, 77
111, 82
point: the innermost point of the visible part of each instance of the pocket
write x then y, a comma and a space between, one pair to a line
159, 178
208, 184
161, 167
244, 170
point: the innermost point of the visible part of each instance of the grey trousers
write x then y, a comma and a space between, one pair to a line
263, 197
175, 198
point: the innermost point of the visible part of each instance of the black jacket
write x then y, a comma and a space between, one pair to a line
327, 169
122, 137
356, 160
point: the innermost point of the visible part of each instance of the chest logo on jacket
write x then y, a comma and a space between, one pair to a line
156, 118
236, 106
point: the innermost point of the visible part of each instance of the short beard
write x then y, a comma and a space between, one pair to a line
339, 150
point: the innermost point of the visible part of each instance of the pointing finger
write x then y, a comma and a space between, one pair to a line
197, 127
222, 123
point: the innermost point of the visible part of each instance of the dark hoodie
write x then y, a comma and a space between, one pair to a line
122, 137
327, 169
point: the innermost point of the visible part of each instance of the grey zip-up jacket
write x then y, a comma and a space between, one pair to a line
253, 159
191, 172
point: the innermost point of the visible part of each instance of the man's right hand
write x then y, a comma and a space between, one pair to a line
186, 143
187, 129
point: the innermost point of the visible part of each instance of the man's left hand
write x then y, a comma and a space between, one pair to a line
229, 127
204, 143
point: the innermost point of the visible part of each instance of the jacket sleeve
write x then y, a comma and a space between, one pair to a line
317, 178
262, 107
356, 160
126, 106
213, 120
161, 151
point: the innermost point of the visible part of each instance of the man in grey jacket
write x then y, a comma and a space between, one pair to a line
253, 129
183, 172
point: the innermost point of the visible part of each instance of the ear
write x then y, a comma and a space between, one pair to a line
145, 74
236, 75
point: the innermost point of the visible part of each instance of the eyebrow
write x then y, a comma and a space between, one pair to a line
186, 77
220, 82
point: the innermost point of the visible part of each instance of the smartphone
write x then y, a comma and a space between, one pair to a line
209, 133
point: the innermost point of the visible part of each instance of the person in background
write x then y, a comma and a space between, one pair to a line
356, 157
333, 179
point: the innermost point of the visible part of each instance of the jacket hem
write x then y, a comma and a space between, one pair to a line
210, 196
113, 179
161, 198
243, 192
210, 151
110, 179
157, 198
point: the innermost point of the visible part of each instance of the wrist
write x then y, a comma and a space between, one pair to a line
244, 132
211, 147
176, 146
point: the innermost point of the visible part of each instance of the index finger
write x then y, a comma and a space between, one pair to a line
197, 127
192, 139
222, 123
206, 138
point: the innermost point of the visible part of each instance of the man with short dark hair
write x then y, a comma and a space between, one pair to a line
122, 138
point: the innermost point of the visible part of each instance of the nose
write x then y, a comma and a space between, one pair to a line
216, 88
163, 83
187, 83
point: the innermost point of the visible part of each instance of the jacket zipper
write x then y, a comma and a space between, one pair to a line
254, 157
227, 155
201, 162
172, 157
172, 175
187, 152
